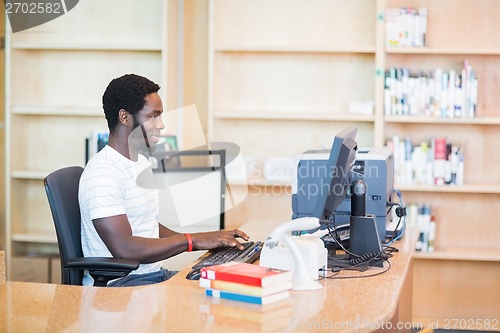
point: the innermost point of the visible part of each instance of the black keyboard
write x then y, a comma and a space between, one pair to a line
249, 254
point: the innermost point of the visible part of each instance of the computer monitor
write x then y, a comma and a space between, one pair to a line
342, 157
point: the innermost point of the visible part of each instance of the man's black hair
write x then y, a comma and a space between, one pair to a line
127, 92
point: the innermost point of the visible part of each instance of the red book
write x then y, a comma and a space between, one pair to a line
253, 275
439, 161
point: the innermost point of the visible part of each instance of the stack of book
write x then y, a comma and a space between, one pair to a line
434, 162
436, 93
422, 217
405, 26
246, 282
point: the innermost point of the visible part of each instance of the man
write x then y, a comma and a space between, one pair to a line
120, 217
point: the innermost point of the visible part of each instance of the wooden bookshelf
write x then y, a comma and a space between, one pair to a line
35, 237
59, 46
304, 115
56, 110
444, 121
55, 76
462, 254
485, 50
3, 236
280, 82
467, 188
465, 246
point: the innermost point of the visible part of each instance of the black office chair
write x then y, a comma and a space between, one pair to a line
61, 187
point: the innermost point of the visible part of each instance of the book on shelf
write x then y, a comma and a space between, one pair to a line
246, 298
433, 162
436, 93
246, 273
405, 26
440, 159
422, 217
244, 288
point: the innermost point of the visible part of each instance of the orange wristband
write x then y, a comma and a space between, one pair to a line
190, 242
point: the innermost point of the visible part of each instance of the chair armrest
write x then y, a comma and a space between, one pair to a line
102, 263
103, 269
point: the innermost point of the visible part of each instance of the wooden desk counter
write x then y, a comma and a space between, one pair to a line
180, 305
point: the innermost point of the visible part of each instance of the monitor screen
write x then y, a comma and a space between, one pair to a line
339, 165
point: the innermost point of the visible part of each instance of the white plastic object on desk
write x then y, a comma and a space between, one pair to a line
304, 255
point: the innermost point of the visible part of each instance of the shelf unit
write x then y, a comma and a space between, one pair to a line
2, 137
271, 72
280, 81
466, 226
55, 76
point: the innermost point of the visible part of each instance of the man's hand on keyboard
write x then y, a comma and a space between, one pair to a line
214, 239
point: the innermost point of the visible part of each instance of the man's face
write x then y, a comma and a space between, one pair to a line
148, 123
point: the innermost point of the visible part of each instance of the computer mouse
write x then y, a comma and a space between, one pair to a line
194, 274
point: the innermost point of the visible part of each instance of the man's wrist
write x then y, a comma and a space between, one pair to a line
190, 242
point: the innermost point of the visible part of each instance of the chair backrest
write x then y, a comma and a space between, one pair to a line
61, 187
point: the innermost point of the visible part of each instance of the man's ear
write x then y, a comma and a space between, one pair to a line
125, 118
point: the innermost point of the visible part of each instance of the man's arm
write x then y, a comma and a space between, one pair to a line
116, 233
166, 232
